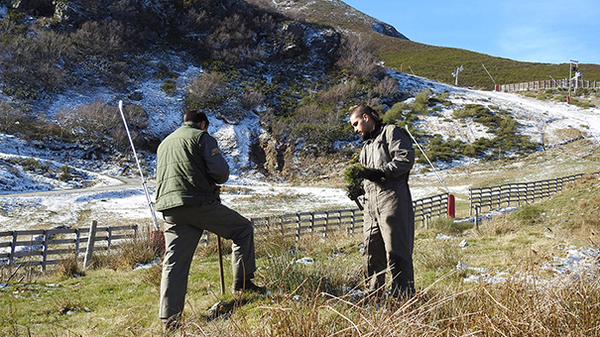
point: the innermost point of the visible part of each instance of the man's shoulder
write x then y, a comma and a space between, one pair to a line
392, 128
186, 131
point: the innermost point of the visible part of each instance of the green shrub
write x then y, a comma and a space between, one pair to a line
63, 173
397, 112
168, 87
422, 103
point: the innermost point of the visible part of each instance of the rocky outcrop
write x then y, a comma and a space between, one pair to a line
297, 38
389, 30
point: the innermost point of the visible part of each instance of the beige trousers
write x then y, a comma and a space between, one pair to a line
183, 229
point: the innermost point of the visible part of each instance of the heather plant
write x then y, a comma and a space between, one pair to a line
34, 63
387, 87
357, 55
11, 117
98, 121
207, 91
100, 38
251, 99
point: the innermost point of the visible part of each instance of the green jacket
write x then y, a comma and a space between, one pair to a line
189, 165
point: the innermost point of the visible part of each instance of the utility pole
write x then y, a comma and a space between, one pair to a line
576, 69
455, 74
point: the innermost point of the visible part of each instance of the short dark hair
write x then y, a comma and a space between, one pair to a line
365, 109
196, 116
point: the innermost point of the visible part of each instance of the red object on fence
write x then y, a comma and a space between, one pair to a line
451, 206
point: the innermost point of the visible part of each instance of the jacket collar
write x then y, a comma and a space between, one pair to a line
191, 125
375, 132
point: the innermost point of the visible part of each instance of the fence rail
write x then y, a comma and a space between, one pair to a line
497, 196
46, 247
297, 224
549, 84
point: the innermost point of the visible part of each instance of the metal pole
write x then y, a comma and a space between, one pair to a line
148, 199
483, 65
429, 161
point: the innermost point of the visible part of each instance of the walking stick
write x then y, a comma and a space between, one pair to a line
221, 276
157, 238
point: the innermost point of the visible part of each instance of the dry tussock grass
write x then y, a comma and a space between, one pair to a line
519, 307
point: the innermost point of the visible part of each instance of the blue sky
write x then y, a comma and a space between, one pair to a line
524, 30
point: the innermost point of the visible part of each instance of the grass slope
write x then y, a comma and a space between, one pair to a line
438, 62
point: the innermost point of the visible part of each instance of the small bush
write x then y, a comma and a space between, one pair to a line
357, 56
99, 121
34, 63
63, 173
385, 88
168, 87
422, 102
99, 38
207, 91
11, 116
397, 112
252, 99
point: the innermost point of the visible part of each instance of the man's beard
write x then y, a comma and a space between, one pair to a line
368, 135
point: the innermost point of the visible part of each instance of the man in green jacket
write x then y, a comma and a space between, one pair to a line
389, 220
189, 166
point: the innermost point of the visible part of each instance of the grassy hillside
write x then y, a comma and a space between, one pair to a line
437, 62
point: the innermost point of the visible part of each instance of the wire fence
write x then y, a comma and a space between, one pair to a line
506, 194
549, 84
350, 220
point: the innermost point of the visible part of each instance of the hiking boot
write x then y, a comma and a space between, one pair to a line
170, 325
248, 286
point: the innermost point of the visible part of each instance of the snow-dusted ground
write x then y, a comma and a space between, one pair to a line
116, 200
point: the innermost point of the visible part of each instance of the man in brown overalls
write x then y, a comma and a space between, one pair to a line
389, 222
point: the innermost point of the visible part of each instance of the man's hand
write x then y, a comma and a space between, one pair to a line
354, 192
373, 174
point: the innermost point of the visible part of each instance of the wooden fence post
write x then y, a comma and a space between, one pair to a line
90, 245
109, 230
77, 238
299, 227
13, 247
